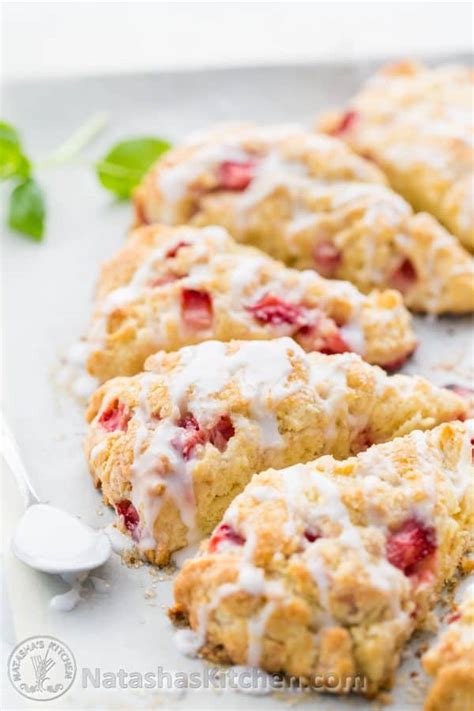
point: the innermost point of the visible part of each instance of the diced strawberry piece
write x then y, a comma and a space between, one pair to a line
453, 617
173, 251
312, 534
116, 417
461, 390
364, 440
233, 175
273, 310
188, 422
224, 532
413, 542
221, 432
347, 122
334, 343
404, 277
323, 335
196, 309
327, 258
188, 440
191, 441
129, 514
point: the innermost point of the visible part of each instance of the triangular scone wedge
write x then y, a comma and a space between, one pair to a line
416, 124
175, 286
451, 661
322, 571
309, 201
173, 446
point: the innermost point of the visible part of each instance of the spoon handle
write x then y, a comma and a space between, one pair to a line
12, 456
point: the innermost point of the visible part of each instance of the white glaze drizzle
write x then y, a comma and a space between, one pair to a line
249, 276
260, 370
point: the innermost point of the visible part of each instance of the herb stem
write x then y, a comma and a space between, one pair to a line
84, 135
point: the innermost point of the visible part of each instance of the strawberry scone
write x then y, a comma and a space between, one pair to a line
173, 446
309, 201
416, 123
175, 286
451, 661
323, 570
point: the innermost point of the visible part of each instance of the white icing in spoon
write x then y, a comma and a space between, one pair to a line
54, 541
46, 537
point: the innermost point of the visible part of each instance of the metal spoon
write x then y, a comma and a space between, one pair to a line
48, 538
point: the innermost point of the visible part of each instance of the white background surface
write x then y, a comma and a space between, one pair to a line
43, 39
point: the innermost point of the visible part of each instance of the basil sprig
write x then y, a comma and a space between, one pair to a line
26, 210
119, 171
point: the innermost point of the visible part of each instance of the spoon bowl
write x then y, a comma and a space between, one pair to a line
54, 541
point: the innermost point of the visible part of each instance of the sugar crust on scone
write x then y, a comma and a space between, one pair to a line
416, 123
311, 202
326, 568
173, 446
451, 661
175, 286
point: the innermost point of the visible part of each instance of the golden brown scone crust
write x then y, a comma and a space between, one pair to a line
180, 441
327, 568
451, 662
175, 286
309, 201
416, 123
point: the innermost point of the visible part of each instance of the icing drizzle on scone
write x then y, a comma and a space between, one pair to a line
189, 285
176, 441
366, 532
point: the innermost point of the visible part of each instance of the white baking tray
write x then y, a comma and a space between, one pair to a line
47, 291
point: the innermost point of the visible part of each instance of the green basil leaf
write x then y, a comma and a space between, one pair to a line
123, 167
13, 162
27, 209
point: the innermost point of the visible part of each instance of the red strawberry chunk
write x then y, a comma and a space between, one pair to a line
234, 175
453, 617
196, 309
404, 277
188, 422
173, 251
327, 258
273, 310
347, 122
364, 439
129, 514
116, 417
193, 436
322, 335
334, 343
221, 433
224, 532
218, 435
413, 542
312, 534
